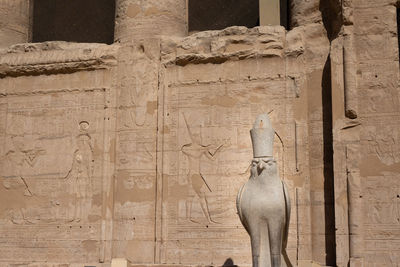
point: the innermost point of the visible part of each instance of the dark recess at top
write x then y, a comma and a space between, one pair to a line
219, 14
89, 21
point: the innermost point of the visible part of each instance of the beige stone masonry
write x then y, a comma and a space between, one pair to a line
15, 24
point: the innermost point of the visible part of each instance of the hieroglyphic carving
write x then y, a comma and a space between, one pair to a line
47, 173
139, 81
195, 150
141, 87
24, 154
217, 113
134, 148
19, 158
79, 178
51, 190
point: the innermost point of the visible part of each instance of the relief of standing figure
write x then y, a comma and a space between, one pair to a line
195, 150
79, 178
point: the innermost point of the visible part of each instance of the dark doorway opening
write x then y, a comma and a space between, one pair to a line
219, 14
284, 13
89, 21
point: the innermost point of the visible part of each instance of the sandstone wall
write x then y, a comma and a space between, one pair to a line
15, 24
137, 19
366, 147
136, 157
57, 130
213, 84
137, 150
126, 117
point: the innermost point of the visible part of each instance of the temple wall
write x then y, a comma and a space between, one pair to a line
205, 90
15, 25
137, 20
57, 116
213, 85
137, 150
366, 147
136, 157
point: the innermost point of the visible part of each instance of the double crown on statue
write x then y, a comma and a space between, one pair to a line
262, 137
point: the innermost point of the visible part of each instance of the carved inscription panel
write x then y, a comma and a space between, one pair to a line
51, 170
206, 155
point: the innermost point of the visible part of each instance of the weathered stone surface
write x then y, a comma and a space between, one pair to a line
55, 57
137, 149
229, 44
56, 134
15, 24
137, 19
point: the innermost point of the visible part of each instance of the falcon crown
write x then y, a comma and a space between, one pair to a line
262, 137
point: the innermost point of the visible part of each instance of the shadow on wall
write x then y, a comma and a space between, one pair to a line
329, 193
331, 11
229, 263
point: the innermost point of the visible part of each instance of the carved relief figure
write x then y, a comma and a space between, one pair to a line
140, 86
25, 150
138, 98
263, 203
79, 178
23, 155
195, 151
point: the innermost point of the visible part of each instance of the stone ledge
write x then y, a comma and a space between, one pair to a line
55, 57
233, 43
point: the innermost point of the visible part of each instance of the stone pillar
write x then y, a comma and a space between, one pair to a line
304, 12
270, 12
137, 19
349, 62
15, 26
138, 27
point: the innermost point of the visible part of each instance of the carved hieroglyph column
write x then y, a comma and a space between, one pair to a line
15, 26
137, 19
139, 25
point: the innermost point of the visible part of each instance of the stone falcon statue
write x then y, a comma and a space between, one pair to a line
263, 203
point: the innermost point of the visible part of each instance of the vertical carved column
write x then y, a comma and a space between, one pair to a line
354, 195
138, 27
349, 205
147, 19
339, 155
15, 26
